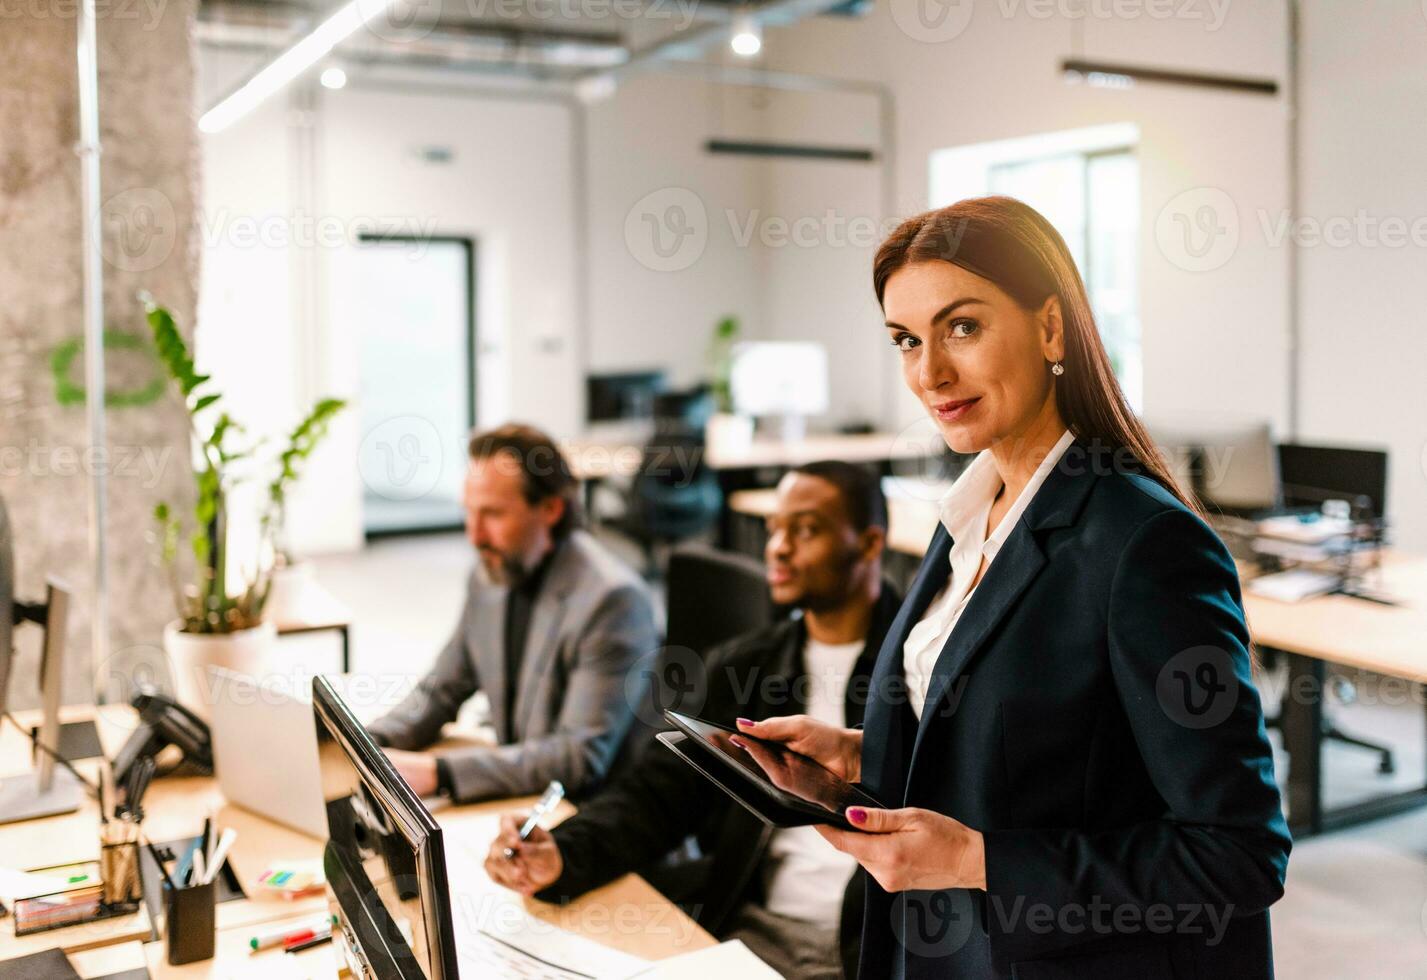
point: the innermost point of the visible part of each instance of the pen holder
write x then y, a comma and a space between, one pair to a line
189, 931
119, 864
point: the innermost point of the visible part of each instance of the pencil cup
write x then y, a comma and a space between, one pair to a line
189, 931
119, 863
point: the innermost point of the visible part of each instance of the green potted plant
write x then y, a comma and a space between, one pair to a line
220, 622
726, 431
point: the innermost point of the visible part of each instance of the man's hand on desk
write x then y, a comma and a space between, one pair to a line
536, 863
417, 768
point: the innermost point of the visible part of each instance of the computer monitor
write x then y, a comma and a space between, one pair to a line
384, 860
621, 396
787, 379
1313, 474
1233, 466
48, 790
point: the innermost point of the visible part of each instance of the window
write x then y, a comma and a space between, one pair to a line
1087, 185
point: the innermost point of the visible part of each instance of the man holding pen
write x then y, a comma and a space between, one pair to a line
552, 625
787, 894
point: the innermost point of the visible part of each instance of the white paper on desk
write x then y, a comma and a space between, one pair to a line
1294, 585
494, 948
22, 884
730, 959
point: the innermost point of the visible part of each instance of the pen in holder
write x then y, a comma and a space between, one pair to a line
189, 930
119, 864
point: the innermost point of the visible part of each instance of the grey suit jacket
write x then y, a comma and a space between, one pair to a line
592, 622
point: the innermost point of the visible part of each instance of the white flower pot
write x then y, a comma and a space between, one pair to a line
191, 654
727, 434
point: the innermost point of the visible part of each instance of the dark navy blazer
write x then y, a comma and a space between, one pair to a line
1094, 716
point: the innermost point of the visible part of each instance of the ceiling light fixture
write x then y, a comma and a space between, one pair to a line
291, 63
747, 37
1106, 75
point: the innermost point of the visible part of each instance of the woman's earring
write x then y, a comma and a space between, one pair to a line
1057, 369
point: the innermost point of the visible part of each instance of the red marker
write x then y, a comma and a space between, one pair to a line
304, 936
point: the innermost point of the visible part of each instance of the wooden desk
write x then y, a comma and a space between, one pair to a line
594, 458
653, 927
1390, 640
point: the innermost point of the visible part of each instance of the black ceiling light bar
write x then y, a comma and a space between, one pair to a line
1112, 75
795, 150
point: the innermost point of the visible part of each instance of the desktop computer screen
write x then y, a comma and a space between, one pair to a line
385, 861
1232, 466
1313, 474
779, 378
622, 396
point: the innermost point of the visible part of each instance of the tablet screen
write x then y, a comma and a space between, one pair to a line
771, 763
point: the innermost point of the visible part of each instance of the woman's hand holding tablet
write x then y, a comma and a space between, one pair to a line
904, 849
782, 787
836, 749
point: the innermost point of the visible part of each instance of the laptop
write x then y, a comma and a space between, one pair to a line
265, 750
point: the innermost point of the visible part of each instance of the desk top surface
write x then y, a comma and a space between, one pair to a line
176, 808
1384, 639
596, 457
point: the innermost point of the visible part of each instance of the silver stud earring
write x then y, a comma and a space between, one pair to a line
1057, 369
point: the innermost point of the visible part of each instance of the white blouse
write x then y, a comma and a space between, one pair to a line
965, 511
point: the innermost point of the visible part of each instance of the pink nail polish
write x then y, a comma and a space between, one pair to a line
746, 721
857, 815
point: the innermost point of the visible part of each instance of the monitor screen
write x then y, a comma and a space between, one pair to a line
629, 395
779, 378
1232, 466
384, 860
1314, 474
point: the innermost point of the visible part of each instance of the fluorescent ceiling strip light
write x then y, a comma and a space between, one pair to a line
291, 63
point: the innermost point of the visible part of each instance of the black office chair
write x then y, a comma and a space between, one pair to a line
674, 496
713, 596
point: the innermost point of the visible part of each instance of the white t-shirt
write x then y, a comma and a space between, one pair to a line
804, 875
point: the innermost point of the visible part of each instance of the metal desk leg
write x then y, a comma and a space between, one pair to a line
1301, 719
346, 649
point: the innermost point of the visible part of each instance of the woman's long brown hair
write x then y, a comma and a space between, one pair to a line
1009, 243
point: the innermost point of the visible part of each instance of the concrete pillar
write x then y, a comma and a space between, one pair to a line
150, 190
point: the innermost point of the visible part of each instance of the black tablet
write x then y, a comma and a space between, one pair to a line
781, 787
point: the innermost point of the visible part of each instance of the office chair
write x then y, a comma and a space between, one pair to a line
713, 596
674, 496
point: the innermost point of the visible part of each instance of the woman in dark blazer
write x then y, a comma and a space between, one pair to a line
1063, 723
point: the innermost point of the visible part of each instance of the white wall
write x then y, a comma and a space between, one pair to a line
1364, 296
1215, 329
649, 176
1211, 339
510, 185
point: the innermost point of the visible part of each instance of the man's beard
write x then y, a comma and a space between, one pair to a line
502, 569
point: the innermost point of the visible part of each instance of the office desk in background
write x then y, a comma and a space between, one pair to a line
594, 459
1388, 640
627, 914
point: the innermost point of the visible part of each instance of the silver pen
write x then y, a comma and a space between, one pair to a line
549, 800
